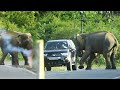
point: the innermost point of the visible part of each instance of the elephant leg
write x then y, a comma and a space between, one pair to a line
3, 58
84, 57
107, 59
15, 58
112, 61
25, 59
89, 64
4, 54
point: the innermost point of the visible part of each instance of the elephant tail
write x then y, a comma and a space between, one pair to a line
116, 45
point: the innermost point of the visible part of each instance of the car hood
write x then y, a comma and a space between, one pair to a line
56, 51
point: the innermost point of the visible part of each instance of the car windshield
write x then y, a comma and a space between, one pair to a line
56, 45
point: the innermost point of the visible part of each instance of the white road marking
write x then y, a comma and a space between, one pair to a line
21, 69
116, 77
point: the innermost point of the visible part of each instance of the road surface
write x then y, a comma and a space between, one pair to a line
84, 74
9, 72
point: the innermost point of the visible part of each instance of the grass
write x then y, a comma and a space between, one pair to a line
63, 68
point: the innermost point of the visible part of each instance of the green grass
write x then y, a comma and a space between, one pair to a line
63, 68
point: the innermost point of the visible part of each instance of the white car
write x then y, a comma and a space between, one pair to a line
60, 52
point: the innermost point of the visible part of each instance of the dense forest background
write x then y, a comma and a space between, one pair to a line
61, 24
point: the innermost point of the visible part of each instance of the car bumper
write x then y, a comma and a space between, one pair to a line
55, 61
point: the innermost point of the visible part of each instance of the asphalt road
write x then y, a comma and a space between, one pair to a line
9, 72
84, 74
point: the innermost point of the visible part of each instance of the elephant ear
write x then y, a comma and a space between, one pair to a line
18, 38
81, 37
24, 36
25, 39
21, 37
84, 36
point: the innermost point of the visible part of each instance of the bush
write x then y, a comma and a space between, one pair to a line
117, 56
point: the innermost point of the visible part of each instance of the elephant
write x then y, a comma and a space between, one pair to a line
15, 42
79, 52
100, 42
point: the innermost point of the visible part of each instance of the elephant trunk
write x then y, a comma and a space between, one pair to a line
30, 59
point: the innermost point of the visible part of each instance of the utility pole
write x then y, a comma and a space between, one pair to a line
112, 22
40, 57
81, 15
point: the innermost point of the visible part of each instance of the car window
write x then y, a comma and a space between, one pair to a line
63, 45
50, 45
56, 45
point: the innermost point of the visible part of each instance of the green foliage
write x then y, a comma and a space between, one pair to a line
100, 61
61, 24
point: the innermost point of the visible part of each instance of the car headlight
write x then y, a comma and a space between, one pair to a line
64, 54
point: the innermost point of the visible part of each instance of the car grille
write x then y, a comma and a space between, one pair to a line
54, 54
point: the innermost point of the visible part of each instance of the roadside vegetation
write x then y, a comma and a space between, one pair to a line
48, 25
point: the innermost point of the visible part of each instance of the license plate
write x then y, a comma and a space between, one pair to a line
53, 58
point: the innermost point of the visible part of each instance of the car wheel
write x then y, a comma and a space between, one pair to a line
48, 68
74, 67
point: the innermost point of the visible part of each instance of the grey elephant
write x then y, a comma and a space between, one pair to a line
101, 42
15, 42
